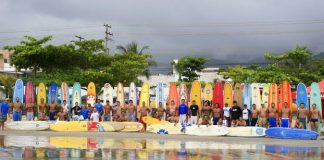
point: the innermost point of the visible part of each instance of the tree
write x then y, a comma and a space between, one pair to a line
188, 66
7, 81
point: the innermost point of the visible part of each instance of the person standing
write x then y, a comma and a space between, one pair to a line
30, 110
17, 107
52, 111
216, 114
302, 114
246, 115
227, 115
206, 114
41, 111
273, 113
65, 107
193, 113
314, 115
4, 112
255, 115
107, 112
95, 115
99, 108
160, 111
285, 115
116, 111
183, 112
131, 112
143, 112
236, 112
263, 116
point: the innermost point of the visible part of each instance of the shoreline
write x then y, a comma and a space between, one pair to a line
152, 136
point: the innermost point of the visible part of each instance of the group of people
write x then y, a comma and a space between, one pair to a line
208, 114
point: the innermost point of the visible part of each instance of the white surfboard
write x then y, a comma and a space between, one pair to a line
246, 131
167, 128
204, 130
25, 141
27, 125
133, 93
108, 94
256, 96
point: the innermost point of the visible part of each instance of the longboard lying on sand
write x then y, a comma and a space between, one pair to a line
290, 133
132, 127
25, 141
112, 126
150, 120
27, 125
246, 131
75, 126
204, 130
167, 128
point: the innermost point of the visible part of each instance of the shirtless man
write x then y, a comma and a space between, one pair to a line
172, 109
173, 118
314, 115
285, 115
160, 111
255, 115
299, 125
206, 113
143, 112
302, 115
273, 113
131, 112
263, 117
107, 112
116, 111
61, 115
41, 111
17, 107
123, 116
52, 111
217, 114
30, 111
241, 122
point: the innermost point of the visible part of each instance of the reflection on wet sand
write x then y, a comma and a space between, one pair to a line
83, 147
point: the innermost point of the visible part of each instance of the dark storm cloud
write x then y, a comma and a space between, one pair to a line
227, 29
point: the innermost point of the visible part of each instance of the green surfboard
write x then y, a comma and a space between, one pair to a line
315, 98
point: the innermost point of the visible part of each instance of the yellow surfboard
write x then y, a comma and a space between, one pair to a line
208, 92
72, 126
196, 93
69, 142
112, 126
228, 95
41, 94
132, 127
150, 120
91, 94
238, 94
144, 97
120, 94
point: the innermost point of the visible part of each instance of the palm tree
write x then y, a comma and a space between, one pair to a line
133, 48
7, 82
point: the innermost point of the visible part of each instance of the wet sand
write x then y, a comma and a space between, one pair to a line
222, 139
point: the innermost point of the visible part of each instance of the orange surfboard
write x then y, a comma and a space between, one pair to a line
285, 94
173, 94
273, 95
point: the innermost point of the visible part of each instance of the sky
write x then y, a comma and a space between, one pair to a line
236, 30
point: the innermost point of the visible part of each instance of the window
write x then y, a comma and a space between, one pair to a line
5, 60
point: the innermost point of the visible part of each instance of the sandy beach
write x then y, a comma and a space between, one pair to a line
222, 139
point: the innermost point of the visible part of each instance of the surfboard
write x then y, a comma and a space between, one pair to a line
76, 94
19, 91
74, 126
91, 94
208, 93
238, 94
112, 126
52, 93
27, 125
183, 93
290, 133
247, 96
29, 93
25, 141
69, 142
133, 93
218, 95
159, 94
204, 130
301, 96
285, 94
246, 131
256, 97
315, 98
145, 95
196, 93
228, 94
265, 95
108, 94
65, 95
132, 127
120, 94
167, 128
173, 94
150, 120
273, 95
41, 93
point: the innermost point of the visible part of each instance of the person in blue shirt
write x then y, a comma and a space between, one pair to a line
183, 112
4, 112
85, 112
99, 107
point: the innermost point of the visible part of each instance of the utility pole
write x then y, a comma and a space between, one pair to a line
80, 38
107, 34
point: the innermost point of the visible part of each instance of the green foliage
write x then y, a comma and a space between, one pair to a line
188, 66
7, 81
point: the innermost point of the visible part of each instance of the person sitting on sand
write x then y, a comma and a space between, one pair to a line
75, 112
172, 118
241, 122
206, 113
216, 114
123, 116
299, 125
84, 112
61, 115
171, 110
95, 115
220, 122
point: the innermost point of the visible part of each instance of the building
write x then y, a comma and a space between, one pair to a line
6, 68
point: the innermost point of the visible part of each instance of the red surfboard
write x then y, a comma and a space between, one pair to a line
218, 96
29, 93
173, 94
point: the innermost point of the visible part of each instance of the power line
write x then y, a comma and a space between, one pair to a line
107, 36
80, 38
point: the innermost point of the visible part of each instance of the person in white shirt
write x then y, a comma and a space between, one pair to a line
227, 114
94, 115
246, 115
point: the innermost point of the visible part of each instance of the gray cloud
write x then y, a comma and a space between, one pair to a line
224, 29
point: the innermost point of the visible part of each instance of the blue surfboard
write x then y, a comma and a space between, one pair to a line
52, 93
76, 94
290, 133
19, 91
301, 95
247, 96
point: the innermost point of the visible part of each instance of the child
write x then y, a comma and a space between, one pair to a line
95, 115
